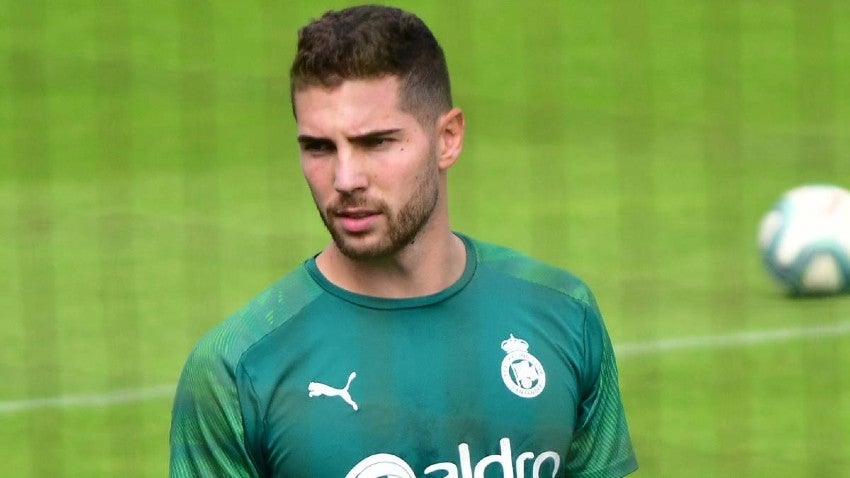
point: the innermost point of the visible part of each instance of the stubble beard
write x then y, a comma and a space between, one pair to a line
402, 228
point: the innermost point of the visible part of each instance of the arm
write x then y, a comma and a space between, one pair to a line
601, 446
207, 431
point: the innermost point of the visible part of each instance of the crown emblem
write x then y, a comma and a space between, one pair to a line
522, 373
514, 344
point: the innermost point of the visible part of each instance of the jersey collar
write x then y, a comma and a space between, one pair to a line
405, 303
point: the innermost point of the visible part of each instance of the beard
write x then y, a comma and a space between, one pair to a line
402, 227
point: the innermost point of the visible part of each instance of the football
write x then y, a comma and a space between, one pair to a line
805, 240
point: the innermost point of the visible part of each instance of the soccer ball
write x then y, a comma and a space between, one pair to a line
805, 240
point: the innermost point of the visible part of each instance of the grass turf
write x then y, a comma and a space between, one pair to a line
149, 186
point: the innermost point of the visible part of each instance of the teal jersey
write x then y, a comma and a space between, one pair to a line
509, 372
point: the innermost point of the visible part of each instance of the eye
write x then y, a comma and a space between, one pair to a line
377, 142
317, 147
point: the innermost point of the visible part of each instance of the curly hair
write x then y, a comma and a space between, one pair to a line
372, 42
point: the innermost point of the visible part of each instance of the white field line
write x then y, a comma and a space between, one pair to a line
740, 339
96, 400
624, 351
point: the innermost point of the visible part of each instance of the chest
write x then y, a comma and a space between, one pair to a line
444, 392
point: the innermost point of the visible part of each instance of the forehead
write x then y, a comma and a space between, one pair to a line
355, 106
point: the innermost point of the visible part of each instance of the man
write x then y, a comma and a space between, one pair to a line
402, 349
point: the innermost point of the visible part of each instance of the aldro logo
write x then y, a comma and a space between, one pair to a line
522, 373
385, 465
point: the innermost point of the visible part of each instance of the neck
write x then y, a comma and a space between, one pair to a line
426, 266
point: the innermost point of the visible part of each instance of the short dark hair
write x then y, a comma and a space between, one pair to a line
371, 42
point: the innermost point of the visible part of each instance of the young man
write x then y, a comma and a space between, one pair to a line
402, 349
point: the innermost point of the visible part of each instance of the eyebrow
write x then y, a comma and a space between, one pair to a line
374, 134
303, 138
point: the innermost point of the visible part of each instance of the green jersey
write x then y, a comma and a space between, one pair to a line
509, 372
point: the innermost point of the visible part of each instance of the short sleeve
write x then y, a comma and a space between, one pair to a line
207, 433
601, 446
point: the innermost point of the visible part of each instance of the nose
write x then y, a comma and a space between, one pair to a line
350, 174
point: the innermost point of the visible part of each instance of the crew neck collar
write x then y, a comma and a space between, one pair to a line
401, 303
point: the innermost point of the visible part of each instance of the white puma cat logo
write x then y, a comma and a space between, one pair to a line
316, 389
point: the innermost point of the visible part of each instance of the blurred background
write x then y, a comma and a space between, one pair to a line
150, 186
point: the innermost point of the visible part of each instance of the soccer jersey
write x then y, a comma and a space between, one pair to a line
508, 372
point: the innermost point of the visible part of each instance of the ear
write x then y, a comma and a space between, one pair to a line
450, 129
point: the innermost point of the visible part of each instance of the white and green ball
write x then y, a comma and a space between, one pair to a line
805, 240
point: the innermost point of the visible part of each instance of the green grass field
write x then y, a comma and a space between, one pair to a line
149, 186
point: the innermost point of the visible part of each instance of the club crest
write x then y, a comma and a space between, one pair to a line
522, 373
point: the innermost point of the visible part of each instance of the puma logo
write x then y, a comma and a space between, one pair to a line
316, 389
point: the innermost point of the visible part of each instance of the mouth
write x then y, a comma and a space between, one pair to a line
357, 221
355, 213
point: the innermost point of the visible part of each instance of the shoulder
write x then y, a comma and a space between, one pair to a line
213, 422
503, 260
228, 341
